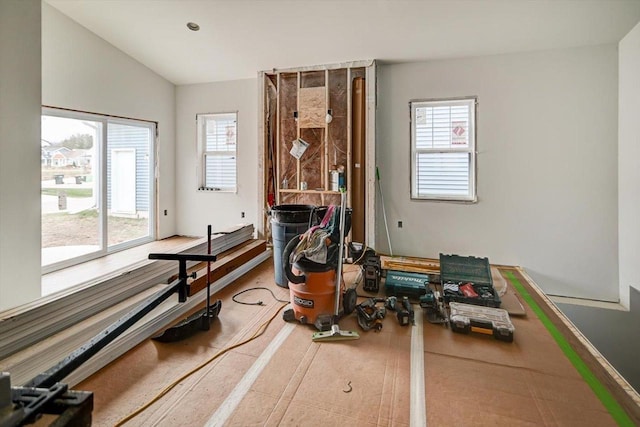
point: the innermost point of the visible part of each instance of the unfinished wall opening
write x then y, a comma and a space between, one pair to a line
318, 140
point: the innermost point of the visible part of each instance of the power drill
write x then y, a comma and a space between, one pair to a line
403, 309
406, 314
369, 315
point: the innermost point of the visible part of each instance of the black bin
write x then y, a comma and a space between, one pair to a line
287, 221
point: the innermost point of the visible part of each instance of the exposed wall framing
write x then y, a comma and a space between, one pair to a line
295, 104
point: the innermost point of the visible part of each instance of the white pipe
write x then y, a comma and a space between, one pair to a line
343, 209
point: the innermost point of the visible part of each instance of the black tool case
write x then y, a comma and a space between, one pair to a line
468, 269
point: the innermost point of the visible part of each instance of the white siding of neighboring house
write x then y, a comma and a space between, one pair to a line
125, 136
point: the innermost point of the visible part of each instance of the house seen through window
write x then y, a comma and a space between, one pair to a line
443, 149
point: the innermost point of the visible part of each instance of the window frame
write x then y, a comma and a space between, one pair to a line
201, 170
471, 149
102, 196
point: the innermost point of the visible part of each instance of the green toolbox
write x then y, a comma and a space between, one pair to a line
468, 280
403, 284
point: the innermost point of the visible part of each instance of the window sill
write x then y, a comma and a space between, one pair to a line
216, 190
434, 199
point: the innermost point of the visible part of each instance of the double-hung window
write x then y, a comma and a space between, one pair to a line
217, 142
443, 149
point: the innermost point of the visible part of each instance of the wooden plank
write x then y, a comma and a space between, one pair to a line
312, 107
333, 66
410, 264
298, 170
277, 145
325, 169
198, 268
356, 158
264, 165
194, 268
227, 264
310, 191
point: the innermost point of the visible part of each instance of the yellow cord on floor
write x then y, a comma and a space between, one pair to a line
259, 331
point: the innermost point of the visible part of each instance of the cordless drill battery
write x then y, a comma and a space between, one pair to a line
372, 272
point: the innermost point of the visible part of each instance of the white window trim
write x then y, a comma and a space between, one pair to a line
472, 197
202, 154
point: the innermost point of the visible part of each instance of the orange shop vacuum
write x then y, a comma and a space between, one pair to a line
312, 284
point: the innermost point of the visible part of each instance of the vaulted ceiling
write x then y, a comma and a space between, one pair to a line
239, 38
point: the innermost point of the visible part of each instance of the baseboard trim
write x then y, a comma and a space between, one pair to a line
587, 302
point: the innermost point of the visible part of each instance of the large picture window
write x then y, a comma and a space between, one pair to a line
97, 186
443, 149
217, 141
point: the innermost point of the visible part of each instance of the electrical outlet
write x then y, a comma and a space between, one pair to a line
241, 214
399, 224
165, 212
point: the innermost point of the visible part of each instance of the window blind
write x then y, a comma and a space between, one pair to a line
219, 151
443, 143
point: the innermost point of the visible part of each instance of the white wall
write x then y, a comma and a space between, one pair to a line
197, 209
81, 71
547, 165
628, 157
20, 147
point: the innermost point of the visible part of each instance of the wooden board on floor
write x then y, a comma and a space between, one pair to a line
225, 264
410, 264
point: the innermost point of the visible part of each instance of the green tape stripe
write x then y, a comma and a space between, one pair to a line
616, 411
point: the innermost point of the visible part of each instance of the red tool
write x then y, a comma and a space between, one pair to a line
468, 291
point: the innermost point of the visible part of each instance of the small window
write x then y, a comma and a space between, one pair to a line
217, 146
443, 153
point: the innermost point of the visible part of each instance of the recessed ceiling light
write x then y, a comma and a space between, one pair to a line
193, 26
